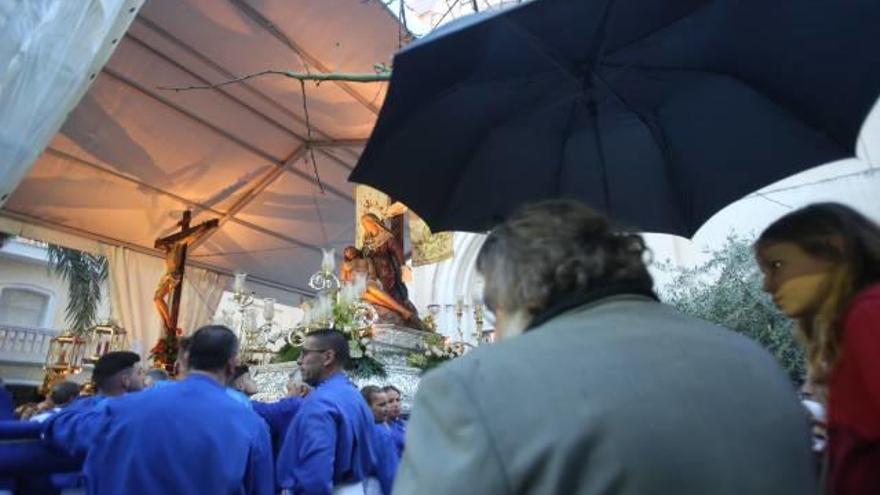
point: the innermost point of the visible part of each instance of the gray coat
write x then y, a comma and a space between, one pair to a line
620, 396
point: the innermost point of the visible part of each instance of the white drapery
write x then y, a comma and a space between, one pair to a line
133, 281
202, 290
50, 51
133, 278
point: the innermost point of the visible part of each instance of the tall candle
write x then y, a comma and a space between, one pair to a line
268, 309
328, 261
239, 281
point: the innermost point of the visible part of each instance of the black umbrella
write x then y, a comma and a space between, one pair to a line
656, 112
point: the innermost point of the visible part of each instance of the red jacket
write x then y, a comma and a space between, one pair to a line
854, 401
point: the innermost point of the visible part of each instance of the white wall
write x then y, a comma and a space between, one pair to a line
23, 265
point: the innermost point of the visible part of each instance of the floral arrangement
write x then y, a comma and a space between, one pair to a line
339, 306
435, 351
164, 353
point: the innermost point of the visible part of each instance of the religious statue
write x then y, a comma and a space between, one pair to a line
353, 265
175, 247
381, 260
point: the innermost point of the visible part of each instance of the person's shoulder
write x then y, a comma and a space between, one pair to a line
867, 298
863, 314
148, 398
319, 401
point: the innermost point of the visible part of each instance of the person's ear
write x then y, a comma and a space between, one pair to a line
229, 369
329, 357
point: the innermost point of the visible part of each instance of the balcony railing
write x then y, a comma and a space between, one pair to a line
24, 344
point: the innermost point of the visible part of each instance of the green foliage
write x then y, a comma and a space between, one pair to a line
727, 290
362, 367
84, 274
286, 354
434, 352
366, 367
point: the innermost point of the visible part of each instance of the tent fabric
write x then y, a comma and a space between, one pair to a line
49, 52
131, 156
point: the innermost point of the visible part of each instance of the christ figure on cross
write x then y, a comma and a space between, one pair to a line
175, 246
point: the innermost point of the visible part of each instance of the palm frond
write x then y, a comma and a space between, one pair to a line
84, 274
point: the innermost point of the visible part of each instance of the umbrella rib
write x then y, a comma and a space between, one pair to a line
658, 140
542, 49
601, 151
477, 141
659, 29
566, 134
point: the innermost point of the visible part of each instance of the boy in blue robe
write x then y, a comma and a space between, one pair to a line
386, 449
330, 447
395, 418
187, 438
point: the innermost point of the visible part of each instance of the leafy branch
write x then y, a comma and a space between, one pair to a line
726, 290
382, 74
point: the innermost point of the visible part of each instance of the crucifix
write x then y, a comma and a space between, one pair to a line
175, 246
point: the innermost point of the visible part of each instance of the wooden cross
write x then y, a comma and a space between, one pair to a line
175, 246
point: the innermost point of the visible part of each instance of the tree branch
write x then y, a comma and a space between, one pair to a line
358, 77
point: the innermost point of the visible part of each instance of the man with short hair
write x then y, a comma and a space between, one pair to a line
61, 395
625, 395
117, 373
191, 438
330, 446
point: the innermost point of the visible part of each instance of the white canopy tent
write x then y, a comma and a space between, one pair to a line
131, 157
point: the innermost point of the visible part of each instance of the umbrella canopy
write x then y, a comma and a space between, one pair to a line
656, 112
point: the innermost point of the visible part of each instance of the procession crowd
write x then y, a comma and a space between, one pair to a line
596, 387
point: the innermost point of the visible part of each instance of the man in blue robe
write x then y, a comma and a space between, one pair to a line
7, 405
115, 374
330, 447
185, 438
279, 415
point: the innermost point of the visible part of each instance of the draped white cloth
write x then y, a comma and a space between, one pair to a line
202, 291
133, 281
133, 278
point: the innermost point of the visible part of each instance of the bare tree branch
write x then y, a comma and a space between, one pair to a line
358, 77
